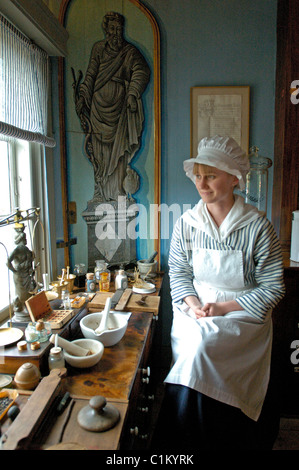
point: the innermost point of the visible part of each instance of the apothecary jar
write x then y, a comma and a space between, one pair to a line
256, 192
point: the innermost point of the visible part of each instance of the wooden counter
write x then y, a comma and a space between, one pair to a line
114, 375
123, 377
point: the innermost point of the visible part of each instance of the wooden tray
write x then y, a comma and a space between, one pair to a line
152, 303
39, 309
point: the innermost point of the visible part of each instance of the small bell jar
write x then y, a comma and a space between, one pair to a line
256, 192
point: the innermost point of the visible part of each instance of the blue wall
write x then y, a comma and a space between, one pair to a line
207, 43
212, 43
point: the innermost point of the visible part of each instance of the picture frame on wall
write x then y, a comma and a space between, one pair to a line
222, 110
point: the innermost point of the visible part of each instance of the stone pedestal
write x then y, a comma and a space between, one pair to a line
22, 317
111, 231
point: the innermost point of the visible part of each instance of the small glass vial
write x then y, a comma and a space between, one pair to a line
104, 284
65, 297
56, 358
44, 330
31, 334
121, 280
90, 284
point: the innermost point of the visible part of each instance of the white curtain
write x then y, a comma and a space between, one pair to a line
24, 82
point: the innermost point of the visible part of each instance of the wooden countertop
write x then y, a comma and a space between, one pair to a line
114, 375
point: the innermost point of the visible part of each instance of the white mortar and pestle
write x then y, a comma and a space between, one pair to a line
107, 327
103, 325
80, 353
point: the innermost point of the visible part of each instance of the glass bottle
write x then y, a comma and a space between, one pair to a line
256, 191
65, 297
56, 358
80, 272
44, 330
99, 268
31, 334
90, 283
104, 283
121, 280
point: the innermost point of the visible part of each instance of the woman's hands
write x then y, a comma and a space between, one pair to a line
212, 309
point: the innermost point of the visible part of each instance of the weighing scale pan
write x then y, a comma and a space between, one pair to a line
10, 335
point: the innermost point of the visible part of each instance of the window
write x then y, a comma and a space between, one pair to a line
19, 189
5, 236
24, 95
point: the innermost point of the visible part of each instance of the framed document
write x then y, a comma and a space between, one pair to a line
220, 110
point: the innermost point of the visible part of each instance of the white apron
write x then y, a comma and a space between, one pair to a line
225, 357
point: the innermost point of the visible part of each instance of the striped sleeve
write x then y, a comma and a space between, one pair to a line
180, 270
268, 271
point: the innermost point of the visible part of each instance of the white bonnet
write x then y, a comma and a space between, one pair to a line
223, 153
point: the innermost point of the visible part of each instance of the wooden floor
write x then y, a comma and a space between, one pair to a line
288, 437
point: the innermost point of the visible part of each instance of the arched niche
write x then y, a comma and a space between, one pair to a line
83, 22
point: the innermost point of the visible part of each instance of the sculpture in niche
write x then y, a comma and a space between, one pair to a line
108, 103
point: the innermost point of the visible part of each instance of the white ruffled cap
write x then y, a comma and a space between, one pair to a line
223, 153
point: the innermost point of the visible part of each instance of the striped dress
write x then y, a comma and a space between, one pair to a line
211, 354
262, 262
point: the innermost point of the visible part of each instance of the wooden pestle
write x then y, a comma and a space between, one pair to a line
71, 348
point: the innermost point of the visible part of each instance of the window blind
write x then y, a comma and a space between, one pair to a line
24, 86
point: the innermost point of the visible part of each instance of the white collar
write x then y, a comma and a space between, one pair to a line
240, 215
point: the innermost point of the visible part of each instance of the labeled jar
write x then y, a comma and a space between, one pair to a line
121, 280
56, 358
104, 283
90, 284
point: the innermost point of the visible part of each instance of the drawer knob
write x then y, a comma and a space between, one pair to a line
134, 431
143, 409
146, 371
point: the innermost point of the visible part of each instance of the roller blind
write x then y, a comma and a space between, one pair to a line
24, 86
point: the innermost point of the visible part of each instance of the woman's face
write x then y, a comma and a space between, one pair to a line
213, 185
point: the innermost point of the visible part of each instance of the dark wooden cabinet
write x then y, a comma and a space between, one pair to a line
285, 332
124, 374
